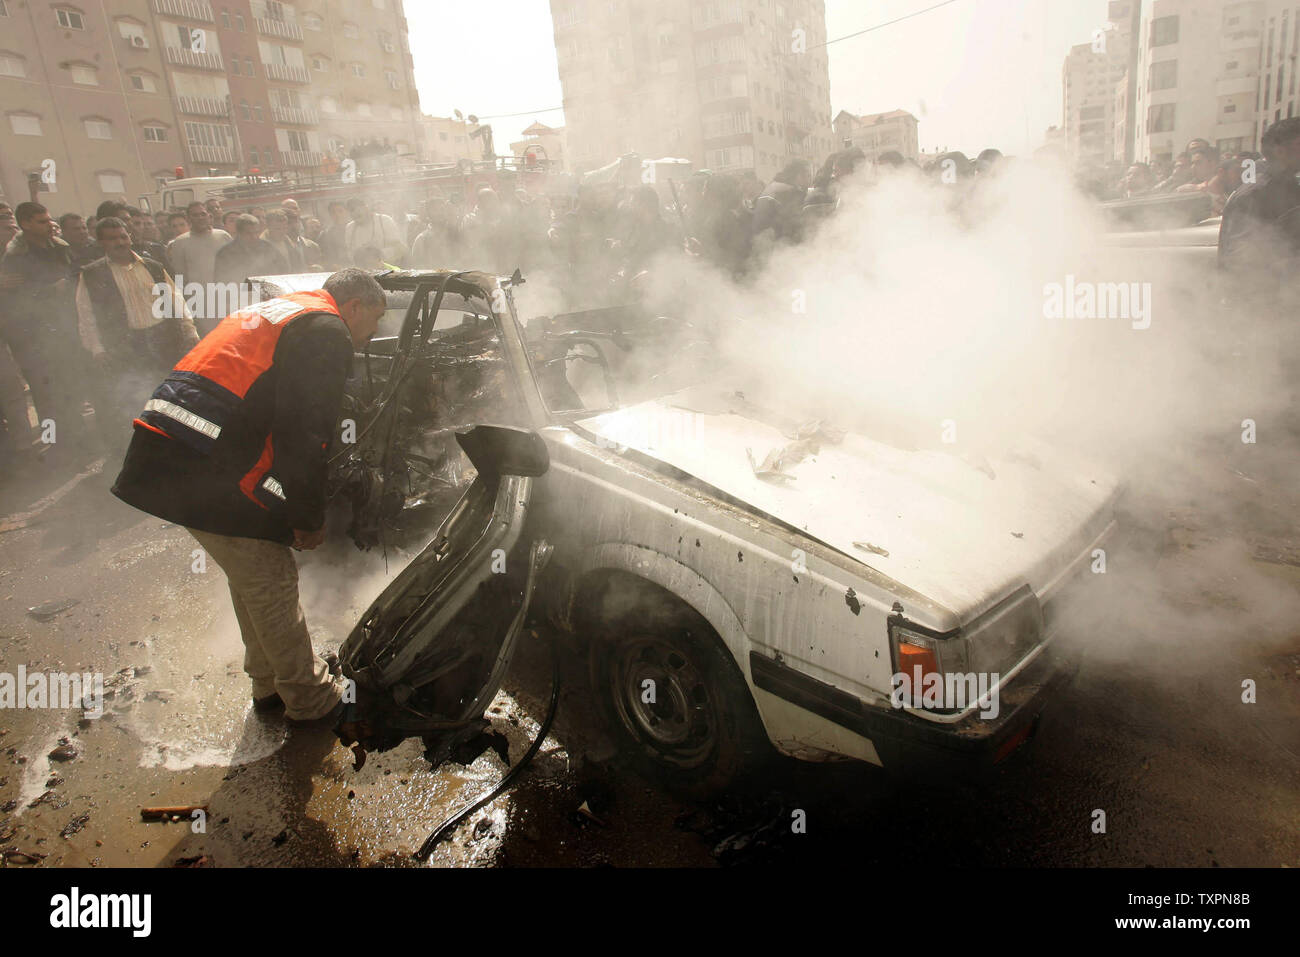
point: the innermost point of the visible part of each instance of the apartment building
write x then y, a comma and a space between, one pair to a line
876, 133
729, 84
1198, 76
1280, 46
118, 96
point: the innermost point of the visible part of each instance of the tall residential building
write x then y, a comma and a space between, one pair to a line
1277, 78
728, 84
1198, 76
1124, 18
876, 133
118, 95
1092, 74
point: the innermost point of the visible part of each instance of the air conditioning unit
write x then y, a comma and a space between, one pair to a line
139, 41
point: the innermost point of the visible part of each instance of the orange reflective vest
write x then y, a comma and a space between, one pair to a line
202, 398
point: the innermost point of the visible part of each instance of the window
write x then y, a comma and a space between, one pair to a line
85, 75
70, 19
320, 64
275, 10
207, 134
155, 134
1164, 30
312, 21
12, 65
1164, 75
25, 124
1230, 108
111, 182
98, 129
248, 66
1160, 118
358, 69
225, 19
142, 82
245, 111
391, 77
257, 114
239, 22
132, 33
297, 141
253, 159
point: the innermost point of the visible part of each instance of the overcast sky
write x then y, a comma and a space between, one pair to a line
976, 73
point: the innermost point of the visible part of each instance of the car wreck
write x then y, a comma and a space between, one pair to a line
738, 577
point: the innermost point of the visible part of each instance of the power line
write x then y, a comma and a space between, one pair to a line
888, 23
502, 116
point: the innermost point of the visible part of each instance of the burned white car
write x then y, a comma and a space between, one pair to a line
735, 576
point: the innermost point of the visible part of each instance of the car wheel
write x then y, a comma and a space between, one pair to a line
677, 703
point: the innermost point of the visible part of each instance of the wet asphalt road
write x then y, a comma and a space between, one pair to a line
1152, 731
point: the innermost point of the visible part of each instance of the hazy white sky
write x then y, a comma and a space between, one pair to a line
976, 73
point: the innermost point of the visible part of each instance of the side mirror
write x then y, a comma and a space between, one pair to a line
504, 450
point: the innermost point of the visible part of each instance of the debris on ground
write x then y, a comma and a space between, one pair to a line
64, 752
75, 825
46, 611
170, 813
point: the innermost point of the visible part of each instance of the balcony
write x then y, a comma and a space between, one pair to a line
297, 115
284, 29
286, 72
201, 106
212, 154
200, 61
186, 9
300, 158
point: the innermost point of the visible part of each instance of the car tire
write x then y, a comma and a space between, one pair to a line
675, 700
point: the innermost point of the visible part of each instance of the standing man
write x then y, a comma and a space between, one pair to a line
132, 337
178, 224
1259, 238
334, 240
373, 229
194, 257
40, 327
233, 446
248, 255
277, 235
74, 232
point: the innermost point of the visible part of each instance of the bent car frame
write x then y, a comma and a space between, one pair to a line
736, 576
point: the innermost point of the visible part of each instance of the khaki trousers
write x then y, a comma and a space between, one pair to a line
278, 655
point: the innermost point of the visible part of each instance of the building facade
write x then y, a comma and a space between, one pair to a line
1277, 79
876, 133
1198, 76
1092, 79
729, 84
118, 96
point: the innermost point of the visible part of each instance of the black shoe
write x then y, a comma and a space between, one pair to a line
272, 702
327, 721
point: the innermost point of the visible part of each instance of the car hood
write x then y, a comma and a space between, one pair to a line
964, 531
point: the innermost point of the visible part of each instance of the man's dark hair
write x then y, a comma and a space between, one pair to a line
178, 215
133, 211
67, 218
25, 212
107, 223
1283, 131
109, 207
247, 219
352, 283
199, 203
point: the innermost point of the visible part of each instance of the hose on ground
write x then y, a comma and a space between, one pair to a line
448, 825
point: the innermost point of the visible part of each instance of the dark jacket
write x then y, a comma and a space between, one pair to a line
37, 303
780, 208
161, 345
235, 261
296, 401
1259, 231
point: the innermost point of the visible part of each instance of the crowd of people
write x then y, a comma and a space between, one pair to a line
79, 295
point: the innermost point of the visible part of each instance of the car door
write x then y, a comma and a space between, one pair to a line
429, 654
